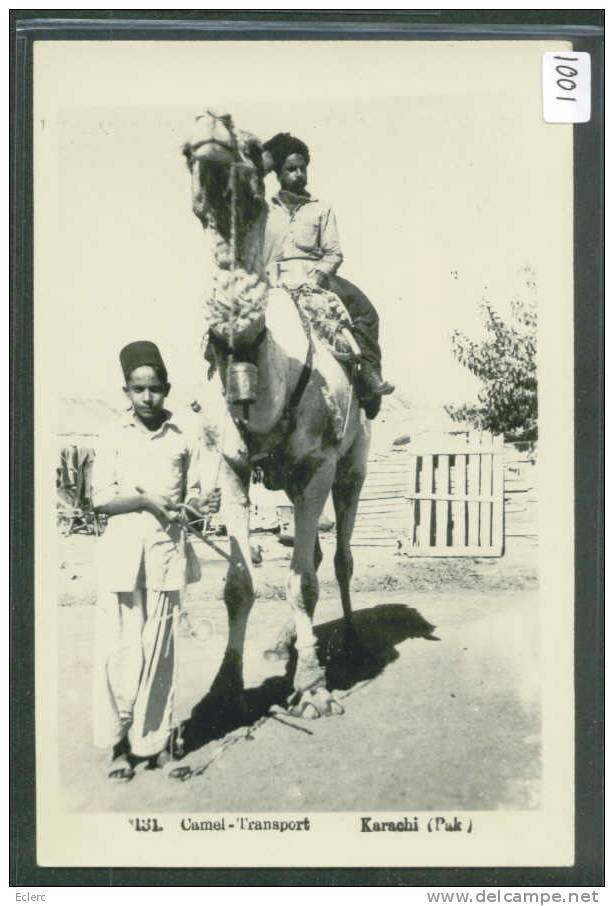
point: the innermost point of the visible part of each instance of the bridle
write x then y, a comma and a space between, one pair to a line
240, 384
237, 389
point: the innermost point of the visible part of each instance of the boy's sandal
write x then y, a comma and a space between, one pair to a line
120, 770
159, 761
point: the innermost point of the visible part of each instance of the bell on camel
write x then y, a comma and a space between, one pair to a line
242, 384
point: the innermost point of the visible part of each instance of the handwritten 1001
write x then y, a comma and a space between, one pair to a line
566, 80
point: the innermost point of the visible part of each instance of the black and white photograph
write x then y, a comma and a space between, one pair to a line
303, 325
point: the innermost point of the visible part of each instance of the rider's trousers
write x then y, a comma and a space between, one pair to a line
364, 317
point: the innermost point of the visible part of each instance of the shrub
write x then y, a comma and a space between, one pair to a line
505, 363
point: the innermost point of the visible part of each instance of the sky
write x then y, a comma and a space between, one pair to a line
447, 186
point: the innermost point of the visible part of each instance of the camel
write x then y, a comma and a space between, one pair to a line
302, 425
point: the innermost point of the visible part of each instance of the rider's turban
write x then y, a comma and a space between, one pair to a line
281, 146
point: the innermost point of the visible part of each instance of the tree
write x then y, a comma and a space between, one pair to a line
505, 363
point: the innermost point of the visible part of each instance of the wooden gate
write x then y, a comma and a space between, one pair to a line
436, 497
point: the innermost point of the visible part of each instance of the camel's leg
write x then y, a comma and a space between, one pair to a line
310, 697
239, 588
345, 498
283, 648
349, 479
318, 556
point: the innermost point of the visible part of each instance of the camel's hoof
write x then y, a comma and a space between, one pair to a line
315, 703
309, 674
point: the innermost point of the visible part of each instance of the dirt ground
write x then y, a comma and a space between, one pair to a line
444, 713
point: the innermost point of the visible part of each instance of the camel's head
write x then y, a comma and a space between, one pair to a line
228, 179
213, 149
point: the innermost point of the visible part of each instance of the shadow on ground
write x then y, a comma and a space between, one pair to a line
349, 660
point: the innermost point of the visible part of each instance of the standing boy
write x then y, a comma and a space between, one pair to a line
144, 470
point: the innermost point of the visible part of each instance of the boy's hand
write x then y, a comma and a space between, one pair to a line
208, 504
161, 507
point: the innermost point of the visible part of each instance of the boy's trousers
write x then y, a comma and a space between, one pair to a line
134, 669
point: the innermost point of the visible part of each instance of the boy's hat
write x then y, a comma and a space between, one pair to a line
139, 353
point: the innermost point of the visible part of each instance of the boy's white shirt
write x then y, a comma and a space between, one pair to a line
135, 547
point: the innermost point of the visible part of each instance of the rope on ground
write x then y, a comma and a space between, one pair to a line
185, 772
357, 688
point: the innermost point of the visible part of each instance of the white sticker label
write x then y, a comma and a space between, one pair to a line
567, 87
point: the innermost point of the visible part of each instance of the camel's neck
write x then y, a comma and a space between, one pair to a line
250, 246
280, 360
251, 253
282, 354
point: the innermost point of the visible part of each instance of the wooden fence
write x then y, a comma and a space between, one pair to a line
438, 496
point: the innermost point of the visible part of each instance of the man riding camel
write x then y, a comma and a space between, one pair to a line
301, 246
